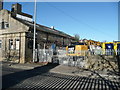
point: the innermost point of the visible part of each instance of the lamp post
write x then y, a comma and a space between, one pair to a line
34, 31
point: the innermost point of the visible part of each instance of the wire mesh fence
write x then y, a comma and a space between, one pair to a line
78, 57
71, 59
45, 55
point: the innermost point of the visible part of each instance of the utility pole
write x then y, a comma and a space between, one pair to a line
118, 56
34, 31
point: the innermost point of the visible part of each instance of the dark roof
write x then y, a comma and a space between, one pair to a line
24, 14
44, 28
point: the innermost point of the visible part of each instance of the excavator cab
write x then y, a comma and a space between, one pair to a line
77, 49
117, 48
108, 48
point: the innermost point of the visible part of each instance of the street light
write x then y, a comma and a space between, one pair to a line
34, 31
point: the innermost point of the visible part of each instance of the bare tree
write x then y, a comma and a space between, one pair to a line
77, 37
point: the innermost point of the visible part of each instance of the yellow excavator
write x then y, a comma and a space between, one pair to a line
77, 49
80, 48
108, 48
117, 48
111, 48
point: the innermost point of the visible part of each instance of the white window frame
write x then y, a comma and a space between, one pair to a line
6, 25
11, 44
17, 44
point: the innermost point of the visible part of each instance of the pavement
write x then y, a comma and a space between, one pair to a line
70, 70
25, 66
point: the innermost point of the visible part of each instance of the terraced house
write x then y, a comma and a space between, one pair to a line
16, 35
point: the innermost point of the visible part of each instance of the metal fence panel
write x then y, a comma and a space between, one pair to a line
45, 55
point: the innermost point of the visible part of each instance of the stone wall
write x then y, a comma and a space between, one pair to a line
15, 30
8, 53
28, 50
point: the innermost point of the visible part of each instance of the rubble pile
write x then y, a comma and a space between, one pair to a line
100, 63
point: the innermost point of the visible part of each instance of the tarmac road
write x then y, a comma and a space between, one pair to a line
42, 78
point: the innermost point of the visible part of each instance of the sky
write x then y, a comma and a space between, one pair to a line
91, 20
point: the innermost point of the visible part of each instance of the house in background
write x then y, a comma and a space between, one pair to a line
16, 35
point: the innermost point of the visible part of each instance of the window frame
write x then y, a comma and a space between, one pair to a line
17, 47
11, 44
4, 25
0, 44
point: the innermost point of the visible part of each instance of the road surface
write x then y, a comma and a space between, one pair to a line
42, 78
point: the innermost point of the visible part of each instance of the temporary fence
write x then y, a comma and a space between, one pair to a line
45, 55
108, 52
68, 58
77, 58
71, 59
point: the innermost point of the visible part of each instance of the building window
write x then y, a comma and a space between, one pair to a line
4, 25
0, 43
17, 44
10, 44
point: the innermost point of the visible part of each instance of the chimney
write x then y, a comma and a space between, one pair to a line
16, 8
1, 4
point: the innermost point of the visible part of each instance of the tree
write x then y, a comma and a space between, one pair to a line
77, 37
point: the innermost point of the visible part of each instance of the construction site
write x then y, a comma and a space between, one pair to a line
76, 64
53, 55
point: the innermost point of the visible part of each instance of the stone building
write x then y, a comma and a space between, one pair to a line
16, 35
